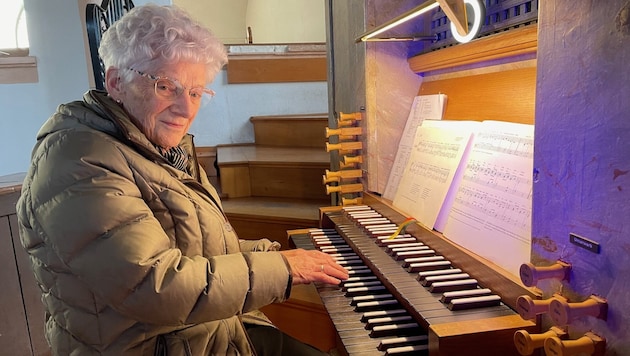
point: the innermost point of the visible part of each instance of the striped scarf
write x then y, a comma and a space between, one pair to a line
177, 156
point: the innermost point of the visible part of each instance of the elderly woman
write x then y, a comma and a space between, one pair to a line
127, 238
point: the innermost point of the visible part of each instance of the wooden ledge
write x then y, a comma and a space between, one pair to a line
15, 70
502, 45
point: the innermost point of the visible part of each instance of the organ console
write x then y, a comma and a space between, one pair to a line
412, 294
420, 277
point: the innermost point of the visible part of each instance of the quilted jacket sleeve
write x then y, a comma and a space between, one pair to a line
98, 244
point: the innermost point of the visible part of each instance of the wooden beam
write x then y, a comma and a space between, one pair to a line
455, 10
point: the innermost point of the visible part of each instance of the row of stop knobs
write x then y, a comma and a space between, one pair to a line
349, 147
562, 313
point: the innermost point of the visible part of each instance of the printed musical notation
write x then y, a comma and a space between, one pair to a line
504, 143
429, 171
491, 212
508, 180
432, 168
424, 107
496, 207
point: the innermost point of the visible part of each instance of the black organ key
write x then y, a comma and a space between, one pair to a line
427, 282
358, 270
345, 257
403, 341
401, 255
387, 242
402, 329
413, 260
361, 284
335, 249
370, 298
428, 266
377, 305
381, 313
449, 286
358, 279
371, 323
350, 262
391, 249
425, 274
381, 231
413, 350
448, 296
474, 302
358, 291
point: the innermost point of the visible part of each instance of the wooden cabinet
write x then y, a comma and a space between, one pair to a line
22, 322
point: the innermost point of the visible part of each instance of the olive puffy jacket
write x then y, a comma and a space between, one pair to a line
132, 255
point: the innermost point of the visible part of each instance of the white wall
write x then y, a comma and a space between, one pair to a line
286, 21
226, 18
56, 37
271, 21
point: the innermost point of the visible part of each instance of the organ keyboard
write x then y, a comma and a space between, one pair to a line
415, 294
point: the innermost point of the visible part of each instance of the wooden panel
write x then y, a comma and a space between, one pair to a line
276, 69
502, 45
207, 156
31, 294
295, 181
492, 335
290, 130
14, 335
506, 95
235, 181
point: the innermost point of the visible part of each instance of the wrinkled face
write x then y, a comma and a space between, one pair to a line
164, 121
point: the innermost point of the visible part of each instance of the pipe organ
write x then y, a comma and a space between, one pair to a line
412, 290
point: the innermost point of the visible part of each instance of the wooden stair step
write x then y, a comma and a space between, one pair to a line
252, 170
303, 130
260, 154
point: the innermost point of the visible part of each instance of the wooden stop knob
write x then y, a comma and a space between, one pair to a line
351, 201
350, 116
528, 308
588, 344
563, 313
530, 274
352, 159
527, 343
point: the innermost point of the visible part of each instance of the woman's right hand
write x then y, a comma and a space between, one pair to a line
314, 266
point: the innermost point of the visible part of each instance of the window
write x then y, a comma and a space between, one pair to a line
16, 66
13, 32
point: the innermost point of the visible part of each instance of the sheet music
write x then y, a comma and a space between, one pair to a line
429, 107
434, 161
491, 213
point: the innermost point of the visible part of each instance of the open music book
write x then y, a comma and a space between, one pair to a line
424, 107
472, 181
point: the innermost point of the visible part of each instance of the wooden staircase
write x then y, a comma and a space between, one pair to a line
275, 187
275, 184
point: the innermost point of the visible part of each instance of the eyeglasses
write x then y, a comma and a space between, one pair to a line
169, 89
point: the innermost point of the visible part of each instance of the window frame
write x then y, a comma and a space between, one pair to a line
16, 65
